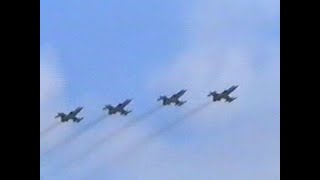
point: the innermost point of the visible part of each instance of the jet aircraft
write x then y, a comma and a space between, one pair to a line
174, 99
119, 108
71, 116
223, 95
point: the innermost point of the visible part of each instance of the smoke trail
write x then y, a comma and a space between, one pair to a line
116, 133
149, 139
50, 128
75, 135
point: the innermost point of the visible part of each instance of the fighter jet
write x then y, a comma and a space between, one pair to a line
119, 108
223, 95
71, 116
174, 99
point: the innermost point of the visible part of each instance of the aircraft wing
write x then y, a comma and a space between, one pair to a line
230, 90
124, 104
179, 94
230, 99
77, 119
76, 111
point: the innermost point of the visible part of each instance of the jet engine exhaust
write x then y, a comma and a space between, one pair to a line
72, 137
116, 133
151, 137
49, 129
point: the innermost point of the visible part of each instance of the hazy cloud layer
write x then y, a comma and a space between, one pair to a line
229, 42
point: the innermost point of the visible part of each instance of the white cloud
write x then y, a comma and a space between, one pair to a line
220, 53
226, 141
51, 80
213, 147
52, 87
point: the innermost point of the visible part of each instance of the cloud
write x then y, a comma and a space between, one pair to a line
52, 100
51, 86
51, 80
228, 43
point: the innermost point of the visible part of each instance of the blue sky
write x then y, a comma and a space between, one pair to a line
99, 52
105, 42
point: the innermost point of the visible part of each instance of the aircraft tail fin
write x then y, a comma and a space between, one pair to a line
214, 93
107, 107
61, 116
162, 98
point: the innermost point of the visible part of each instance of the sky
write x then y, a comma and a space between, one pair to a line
99, 52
